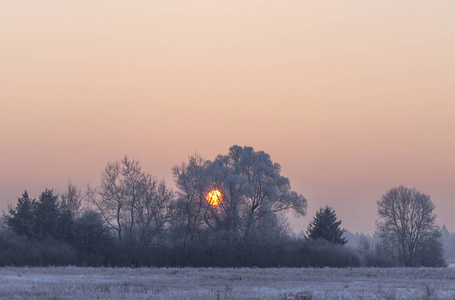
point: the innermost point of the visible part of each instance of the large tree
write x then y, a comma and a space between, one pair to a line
254, 191
407, 225
250, 218
325, 225
133, 203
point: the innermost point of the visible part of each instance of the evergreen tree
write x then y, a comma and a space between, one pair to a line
65, 222
47, 214
325, 225
21, 219
45, 217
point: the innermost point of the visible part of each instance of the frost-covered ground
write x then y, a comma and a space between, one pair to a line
211, 283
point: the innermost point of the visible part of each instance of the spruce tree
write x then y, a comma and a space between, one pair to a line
21, 219
47, 214
325, 225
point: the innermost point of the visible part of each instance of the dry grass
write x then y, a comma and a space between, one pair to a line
210, 283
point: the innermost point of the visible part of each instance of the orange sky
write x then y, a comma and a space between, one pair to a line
350, 98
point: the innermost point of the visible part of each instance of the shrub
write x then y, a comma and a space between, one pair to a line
20, 251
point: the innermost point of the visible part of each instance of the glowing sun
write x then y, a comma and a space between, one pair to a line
214, 197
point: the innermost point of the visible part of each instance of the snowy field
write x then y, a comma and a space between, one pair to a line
210, 283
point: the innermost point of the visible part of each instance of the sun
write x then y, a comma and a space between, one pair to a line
214, 197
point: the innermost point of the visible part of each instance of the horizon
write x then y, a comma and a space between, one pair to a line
350, 99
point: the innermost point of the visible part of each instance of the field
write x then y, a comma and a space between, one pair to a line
211, 283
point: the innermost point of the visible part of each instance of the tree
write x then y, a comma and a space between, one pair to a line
72, 200
254, 187
64, 222
191, 181
153, 211
448, 242
325, 225
21, 219
133, 203
91, 235
406, 224
47, 214
430, 252
364, 242
42, 218
249, 219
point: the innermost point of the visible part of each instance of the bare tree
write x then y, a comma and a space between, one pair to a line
109, 198
72, 200
153, 210
133, 203
191, 181
406, 222
364, 242
133, 183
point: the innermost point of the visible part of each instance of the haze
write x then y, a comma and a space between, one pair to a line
350, 98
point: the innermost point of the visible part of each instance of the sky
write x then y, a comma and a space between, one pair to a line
351, 98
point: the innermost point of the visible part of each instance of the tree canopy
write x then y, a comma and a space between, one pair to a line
254, 192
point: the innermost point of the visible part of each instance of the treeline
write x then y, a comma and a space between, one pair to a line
55, 236
133, 219
370, 243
